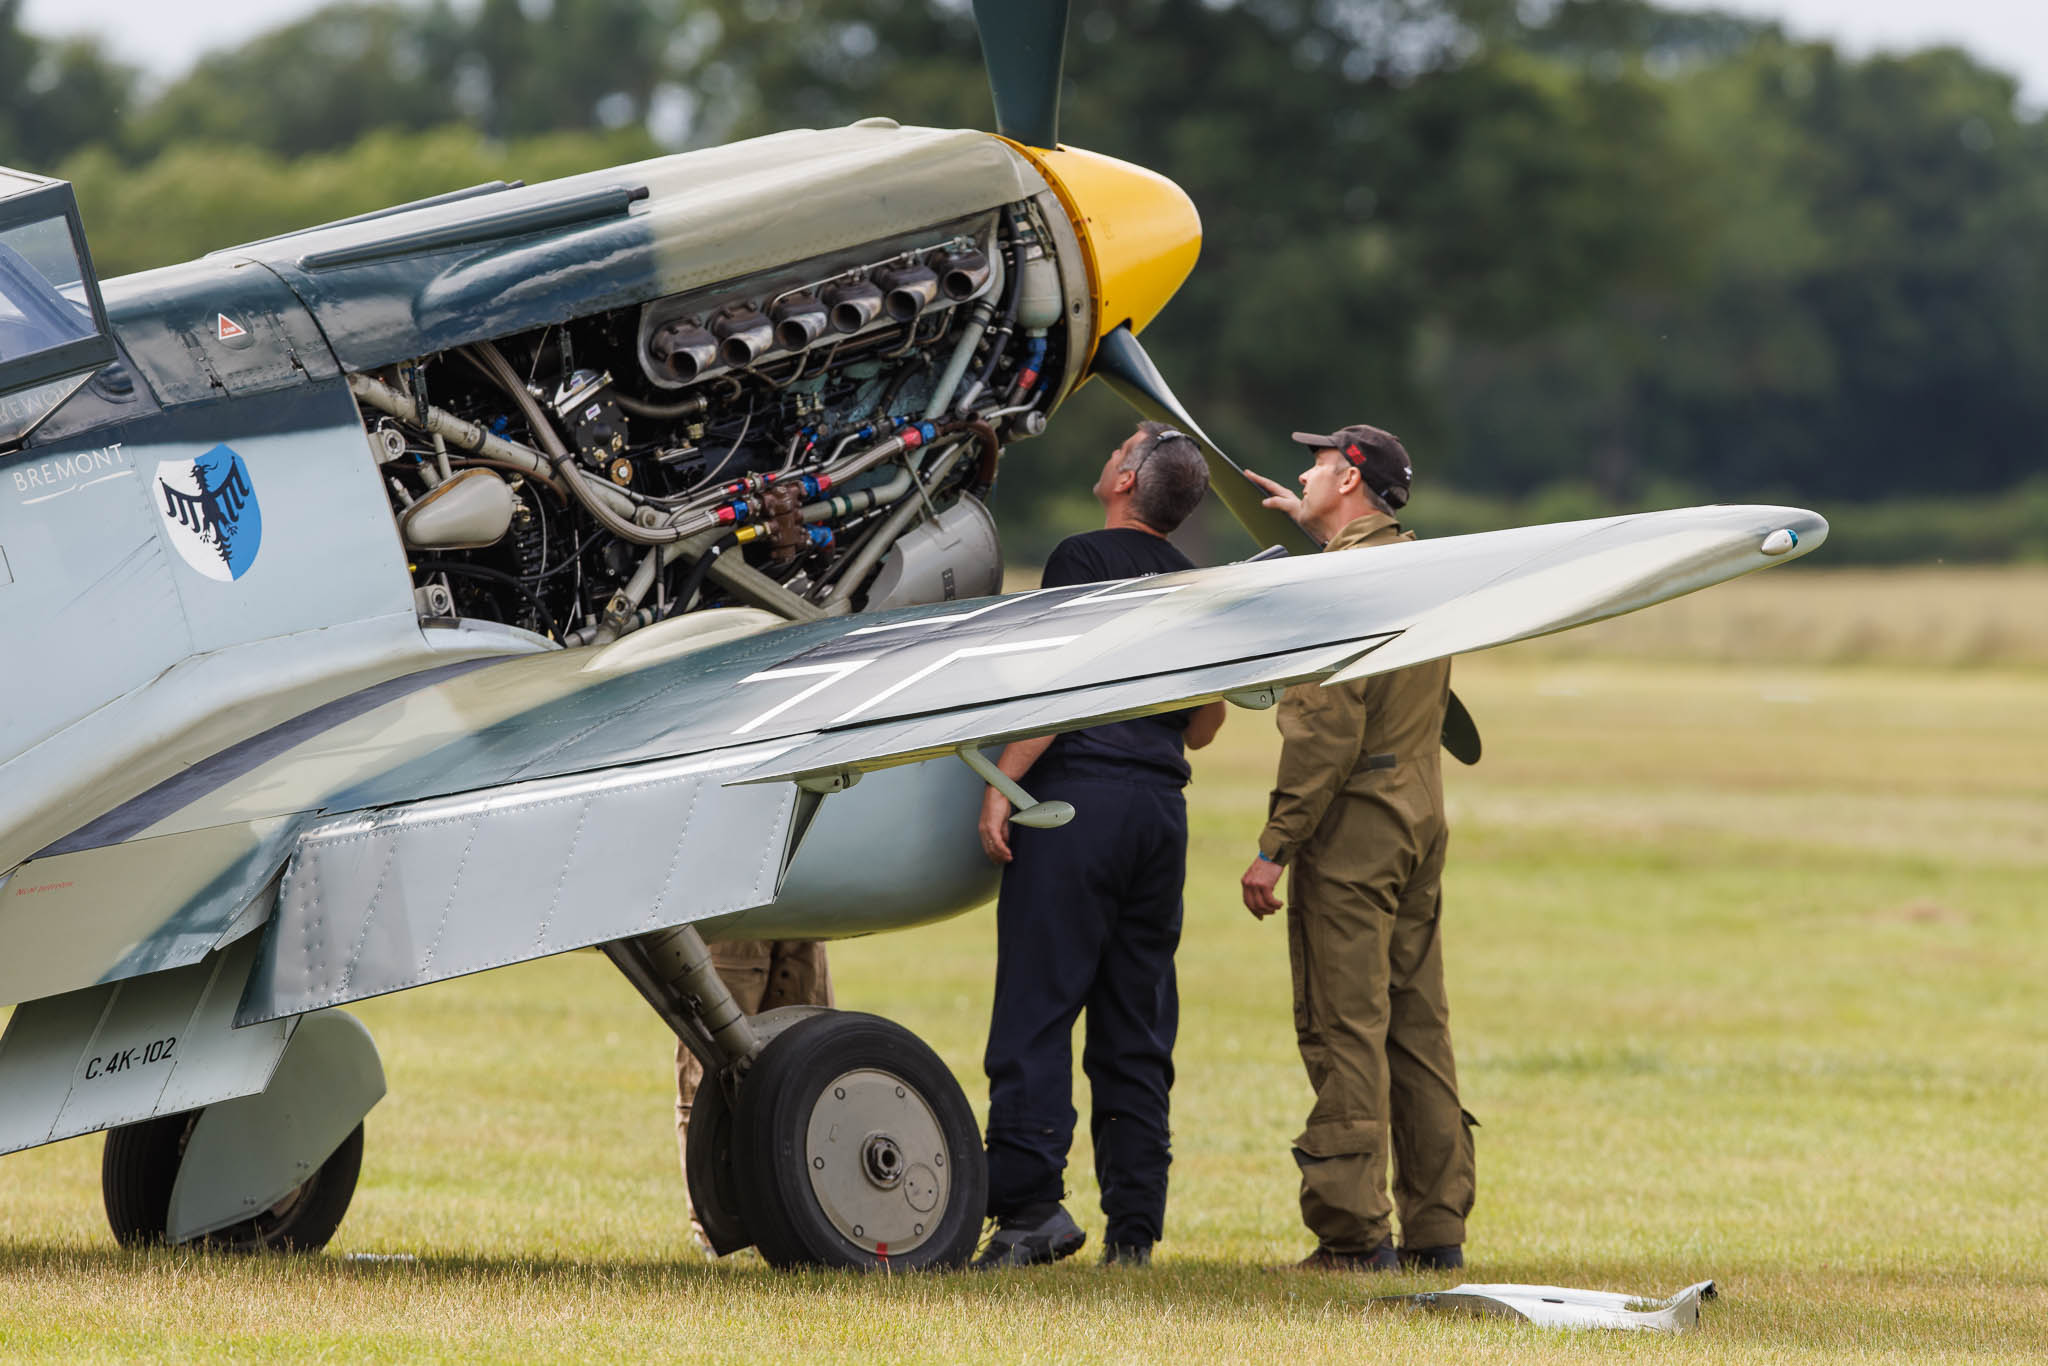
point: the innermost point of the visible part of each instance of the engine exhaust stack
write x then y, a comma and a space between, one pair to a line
799, 320
686, 349
963, 273
743, 337
854, 305
910, 290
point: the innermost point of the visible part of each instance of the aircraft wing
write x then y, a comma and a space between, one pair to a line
1175, 638
506, 810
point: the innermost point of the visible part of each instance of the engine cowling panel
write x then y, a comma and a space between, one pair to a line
803, 439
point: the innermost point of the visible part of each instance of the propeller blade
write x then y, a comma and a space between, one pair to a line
1024, 46
1461, 732
1123, 365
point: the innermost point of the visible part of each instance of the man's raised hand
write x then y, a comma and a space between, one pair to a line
1279, 497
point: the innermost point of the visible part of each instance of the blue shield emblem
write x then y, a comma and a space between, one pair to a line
210, 512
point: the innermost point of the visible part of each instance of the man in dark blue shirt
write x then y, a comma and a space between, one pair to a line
1090, 913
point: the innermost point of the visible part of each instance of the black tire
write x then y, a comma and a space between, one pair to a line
139, 1166
896, 1144
708, 1166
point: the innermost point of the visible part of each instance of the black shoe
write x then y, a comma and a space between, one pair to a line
1127, 1254
1031, 1238
1381, 1258
1449, 1257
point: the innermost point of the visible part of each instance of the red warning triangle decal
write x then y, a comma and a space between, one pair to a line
229, 328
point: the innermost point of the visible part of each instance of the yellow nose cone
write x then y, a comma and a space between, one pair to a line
1141, 231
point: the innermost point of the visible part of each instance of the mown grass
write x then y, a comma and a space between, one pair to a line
1745, 962
1946, 617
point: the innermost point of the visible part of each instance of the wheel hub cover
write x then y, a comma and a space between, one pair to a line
877, 1161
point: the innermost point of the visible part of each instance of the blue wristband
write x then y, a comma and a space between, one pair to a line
1266, 857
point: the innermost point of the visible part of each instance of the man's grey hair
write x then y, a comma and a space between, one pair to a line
1171, 476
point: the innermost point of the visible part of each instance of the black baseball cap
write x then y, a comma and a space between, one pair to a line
1379, 456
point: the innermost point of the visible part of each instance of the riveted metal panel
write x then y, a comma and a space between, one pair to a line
38, 1058
170, 322
102, 915
126, 1052
386, 900
435, 277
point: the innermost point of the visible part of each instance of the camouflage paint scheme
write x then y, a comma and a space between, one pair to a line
143, 668
188, 746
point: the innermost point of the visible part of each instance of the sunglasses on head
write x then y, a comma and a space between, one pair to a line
1171, 433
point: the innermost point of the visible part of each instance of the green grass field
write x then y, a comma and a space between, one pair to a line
1746, 964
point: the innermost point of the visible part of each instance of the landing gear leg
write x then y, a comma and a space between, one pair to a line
673, 971
826, 1138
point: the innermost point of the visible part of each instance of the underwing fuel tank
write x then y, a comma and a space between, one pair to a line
847, 875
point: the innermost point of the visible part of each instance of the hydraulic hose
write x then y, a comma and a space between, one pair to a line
466, 436
640, 407
838, 595
700, 570
963, 352
860, 500
592, 496
1013, 286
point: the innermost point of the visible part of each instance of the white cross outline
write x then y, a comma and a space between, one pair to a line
966, 652
950, 619
833, 673
1108, 593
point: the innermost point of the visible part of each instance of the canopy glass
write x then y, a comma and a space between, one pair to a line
53, 330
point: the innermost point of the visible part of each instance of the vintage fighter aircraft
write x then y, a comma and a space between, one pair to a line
538, 568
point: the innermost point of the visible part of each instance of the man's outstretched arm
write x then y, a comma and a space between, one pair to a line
1015, 761
1203, 723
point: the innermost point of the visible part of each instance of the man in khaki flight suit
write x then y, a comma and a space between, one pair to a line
1357, 817
761, 974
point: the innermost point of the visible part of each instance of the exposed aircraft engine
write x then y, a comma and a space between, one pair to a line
807, 439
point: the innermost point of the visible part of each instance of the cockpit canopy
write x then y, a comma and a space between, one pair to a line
53, 329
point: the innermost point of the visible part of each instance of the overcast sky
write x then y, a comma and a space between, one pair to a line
2010, 34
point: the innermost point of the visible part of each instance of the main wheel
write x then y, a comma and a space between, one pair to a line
708, 1166
854, 1147
139, 1167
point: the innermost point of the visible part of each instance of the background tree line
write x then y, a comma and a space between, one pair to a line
1580, 254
